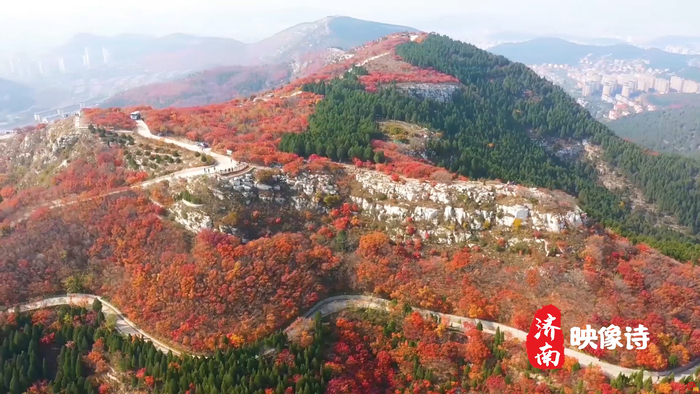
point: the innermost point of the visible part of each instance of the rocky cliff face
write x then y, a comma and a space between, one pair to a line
448, 212
45, 151
303, 191
453, 212
441, 92
191, 217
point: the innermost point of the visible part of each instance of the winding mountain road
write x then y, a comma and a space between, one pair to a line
336, 304
123, 324
224, 164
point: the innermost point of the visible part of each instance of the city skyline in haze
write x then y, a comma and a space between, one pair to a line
38, 25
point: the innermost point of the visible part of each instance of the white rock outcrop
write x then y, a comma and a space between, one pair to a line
441, 92
193, 219
451, 212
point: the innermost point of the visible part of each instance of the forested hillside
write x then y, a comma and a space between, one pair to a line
78, 351
668, 130
491, 129
218, 264
545, 109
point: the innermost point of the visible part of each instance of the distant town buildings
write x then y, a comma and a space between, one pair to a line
676, 83
690, 86
608, 89
614, 88
678, 49
661, 85
645, 82
587, 91
626, 91
57, 113
86, 58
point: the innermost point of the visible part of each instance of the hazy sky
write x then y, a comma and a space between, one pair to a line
46, 23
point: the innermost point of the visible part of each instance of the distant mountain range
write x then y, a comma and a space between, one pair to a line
177, 52
685, 41
172, 52
217, 85
260, 66
14, 96
520, 37
559, 51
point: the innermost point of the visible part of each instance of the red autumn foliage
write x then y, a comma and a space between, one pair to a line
409, 74
211, 289
112, 118
250, 128
398, 163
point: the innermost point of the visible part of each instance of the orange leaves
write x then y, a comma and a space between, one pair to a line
7, 192
533, 277
136, 177
149, 381
187, 285
341, 224
521, 320
473, 304
651, 358
374, 244
268, 280
401, 164
415, 326
301, 332
43, 316
460, 260
476, 350
235, 340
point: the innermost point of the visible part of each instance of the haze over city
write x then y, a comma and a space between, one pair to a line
38, 24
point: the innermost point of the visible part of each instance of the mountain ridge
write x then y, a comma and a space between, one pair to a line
299, 49
560, 51
199, 52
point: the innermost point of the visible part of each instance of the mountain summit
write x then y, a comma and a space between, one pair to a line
331, 32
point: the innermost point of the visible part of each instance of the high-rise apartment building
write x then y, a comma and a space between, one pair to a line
626, 91
661, 85
676, 83
690, 86
645, 82
608, 89
642, 85
86, 58
586, 91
